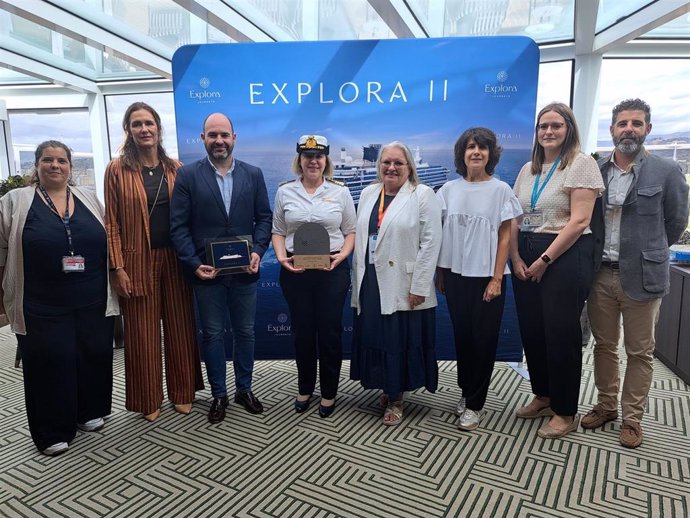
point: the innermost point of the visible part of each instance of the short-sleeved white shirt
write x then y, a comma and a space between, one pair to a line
331, 206
554, 202
472, 213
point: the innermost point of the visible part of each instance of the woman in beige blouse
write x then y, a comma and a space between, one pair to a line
552, 252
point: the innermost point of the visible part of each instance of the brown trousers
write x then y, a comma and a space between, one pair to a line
171, 302
607, 303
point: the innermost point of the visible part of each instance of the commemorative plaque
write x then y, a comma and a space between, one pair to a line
229, 255
312, 247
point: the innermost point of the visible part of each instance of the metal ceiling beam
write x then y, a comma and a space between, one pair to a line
227, 20
652, 49
399, 18
585, 24
31, 66
558, 52
79, 22
643, 21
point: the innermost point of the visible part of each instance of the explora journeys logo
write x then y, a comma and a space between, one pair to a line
500, 88
282, 328
204, 96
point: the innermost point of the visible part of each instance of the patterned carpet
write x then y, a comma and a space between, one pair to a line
282, 464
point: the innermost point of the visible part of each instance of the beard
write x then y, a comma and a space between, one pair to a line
219, 152
632, 144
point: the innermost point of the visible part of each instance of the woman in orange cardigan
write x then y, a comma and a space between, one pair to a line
145, 271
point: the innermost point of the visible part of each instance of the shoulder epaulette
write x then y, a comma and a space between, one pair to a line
337, 182
286, 182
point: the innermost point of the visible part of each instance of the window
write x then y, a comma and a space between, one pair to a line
70, 126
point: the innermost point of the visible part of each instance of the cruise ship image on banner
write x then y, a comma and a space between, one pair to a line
357, 174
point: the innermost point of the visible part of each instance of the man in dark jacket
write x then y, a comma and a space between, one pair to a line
643, 211
215, 199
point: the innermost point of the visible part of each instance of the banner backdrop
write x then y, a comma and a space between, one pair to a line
359, 94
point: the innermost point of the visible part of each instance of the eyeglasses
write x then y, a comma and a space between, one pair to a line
397, 164
555, 126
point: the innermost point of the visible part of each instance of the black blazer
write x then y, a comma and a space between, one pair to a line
197, 213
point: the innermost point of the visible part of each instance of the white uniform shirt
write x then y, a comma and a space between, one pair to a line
472, 213
331, 206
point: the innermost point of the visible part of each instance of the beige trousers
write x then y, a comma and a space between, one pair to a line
606, 304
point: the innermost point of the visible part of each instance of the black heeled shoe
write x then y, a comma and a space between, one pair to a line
301, 406
326, 411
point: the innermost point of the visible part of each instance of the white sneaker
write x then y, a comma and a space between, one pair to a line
56, 449
460, 408
469, 420
92, 426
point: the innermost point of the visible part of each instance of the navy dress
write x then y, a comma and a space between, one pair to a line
395, 353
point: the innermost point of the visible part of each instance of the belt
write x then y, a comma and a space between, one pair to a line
614, 265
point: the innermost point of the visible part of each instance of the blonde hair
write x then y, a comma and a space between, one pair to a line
297, 166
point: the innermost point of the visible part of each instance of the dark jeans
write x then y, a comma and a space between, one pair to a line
316, 299
68, 369
476, 327
214, 301
549, 316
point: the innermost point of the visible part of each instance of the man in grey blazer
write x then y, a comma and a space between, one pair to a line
643, 211
220, 198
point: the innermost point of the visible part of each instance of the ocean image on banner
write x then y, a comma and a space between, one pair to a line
358, 94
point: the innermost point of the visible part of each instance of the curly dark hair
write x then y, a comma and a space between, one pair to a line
485, 138
630, 105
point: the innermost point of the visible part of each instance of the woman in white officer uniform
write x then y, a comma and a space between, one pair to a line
315, 297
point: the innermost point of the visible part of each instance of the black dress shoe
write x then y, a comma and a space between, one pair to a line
301, 406
326, 411
249, 402
217, 412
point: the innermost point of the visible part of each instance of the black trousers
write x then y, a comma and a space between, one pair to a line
549, 317
68, 369
315, 299
476, 328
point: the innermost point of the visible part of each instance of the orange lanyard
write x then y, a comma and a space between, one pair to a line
382, 212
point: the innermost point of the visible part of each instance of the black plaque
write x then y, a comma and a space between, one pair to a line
312, 247
228, 255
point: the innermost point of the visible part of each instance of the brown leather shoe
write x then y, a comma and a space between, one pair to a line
631, 434
249, 401
217, 412
597, 417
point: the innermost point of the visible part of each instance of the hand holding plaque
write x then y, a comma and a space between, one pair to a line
312, 247
229, 255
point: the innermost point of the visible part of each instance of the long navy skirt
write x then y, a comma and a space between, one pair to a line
395, 353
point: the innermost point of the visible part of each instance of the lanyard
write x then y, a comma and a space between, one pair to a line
64, 218
382, 212
537, 189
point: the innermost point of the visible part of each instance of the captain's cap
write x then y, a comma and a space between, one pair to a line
312, 145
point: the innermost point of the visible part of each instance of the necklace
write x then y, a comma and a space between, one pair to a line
152, 169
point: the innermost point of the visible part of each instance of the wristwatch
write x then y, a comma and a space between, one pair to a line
546, 259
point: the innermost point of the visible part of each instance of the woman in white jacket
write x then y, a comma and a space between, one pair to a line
397, 242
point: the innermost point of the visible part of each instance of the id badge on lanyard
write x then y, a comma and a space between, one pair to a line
73, 264
373, 239
70, 263
533, 219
